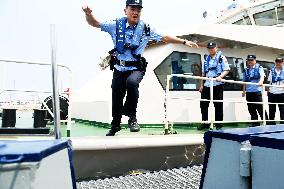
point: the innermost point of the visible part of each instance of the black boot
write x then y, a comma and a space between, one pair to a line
133, 125
112, 131
219, 126
115, 127
203, 126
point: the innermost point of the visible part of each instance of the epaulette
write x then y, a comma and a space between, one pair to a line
147, 29
221, 59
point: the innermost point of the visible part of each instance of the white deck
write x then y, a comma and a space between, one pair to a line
135, 141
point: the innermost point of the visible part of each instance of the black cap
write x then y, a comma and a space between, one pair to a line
280, 59
251, 57
134, 3
211, 45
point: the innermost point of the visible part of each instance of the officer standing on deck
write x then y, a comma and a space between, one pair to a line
215, 66
130, 36
276, 94
253, 73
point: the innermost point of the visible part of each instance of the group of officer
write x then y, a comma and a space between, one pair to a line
254, 73
130, 36
216, 66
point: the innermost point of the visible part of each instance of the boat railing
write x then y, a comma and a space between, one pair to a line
39, 92
211, 107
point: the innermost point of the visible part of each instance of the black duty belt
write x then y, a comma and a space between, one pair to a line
127, 63
212, 68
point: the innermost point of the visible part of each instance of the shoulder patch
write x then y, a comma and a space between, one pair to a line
224, 59
147, 29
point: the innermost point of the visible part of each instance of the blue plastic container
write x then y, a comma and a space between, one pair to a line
36, 164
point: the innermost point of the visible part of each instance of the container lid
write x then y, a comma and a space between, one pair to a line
29, 151
242, 134
239, 135
273, 140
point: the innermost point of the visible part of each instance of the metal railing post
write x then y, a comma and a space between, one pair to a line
263, 108
166, 104
41, 91
69, 121
212, 121
55, 93
211, 104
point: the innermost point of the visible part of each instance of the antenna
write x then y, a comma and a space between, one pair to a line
205, 14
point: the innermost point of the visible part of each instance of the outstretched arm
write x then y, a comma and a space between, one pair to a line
173, 39
90, 18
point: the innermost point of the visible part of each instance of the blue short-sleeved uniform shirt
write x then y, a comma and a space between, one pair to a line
212, 73
254, 88
276, 90
110, 27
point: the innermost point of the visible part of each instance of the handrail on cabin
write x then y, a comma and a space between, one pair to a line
212, 121
4, 61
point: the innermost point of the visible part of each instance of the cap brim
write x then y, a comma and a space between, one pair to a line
211, 47
250, 59
136, 5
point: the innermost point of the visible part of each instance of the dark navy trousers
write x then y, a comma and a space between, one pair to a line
276, 98
124, 83
217, 95
255, 108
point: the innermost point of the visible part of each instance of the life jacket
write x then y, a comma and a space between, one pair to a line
137, 35
275, 77
256, 74
217, 65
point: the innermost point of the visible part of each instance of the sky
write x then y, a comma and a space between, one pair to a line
25, 34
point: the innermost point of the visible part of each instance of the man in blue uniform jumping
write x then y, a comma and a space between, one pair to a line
130, 36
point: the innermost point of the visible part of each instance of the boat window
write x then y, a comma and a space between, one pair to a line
280, 13
180, 63
266, 67
236, 73
244, 21
266, 18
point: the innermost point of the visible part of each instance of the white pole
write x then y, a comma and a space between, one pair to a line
211, 104
55, 93
69, 121
263, 108
166, 104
